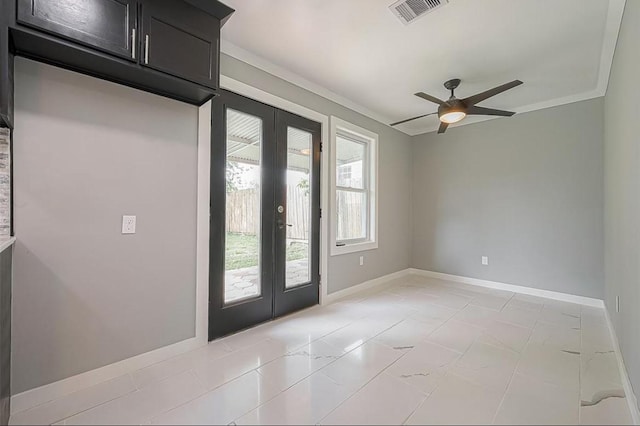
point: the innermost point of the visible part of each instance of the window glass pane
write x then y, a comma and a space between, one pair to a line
243, 224
350, 163
351, 217
299, 156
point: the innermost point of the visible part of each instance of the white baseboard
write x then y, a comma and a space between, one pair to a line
367, 285
626, 383
588, 301
564, 297
31, 398
34, 397
43, 394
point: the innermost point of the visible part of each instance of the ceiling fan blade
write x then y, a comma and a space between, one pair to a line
472, 100
443, 127
430, 98
476, 110
411, 119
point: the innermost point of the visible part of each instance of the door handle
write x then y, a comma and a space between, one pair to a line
133, 43
281, 224
146, 49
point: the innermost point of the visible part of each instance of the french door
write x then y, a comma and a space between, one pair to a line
265, 214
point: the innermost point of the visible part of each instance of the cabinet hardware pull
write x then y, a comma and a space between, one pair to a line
146, 49
133, 43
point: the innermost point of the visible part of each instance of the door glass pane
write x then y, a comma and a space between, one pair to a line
350, 159
299, 161
243, 207
351, 217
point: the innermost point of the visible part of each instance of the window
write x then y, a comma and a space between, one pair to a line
354, 162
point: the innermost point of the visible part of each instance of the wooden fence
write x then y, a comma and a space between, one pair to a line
243, 212
350, 219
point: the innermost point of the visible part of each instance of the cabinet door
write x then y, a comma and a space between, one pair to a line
181, 40
108, 25
7, 12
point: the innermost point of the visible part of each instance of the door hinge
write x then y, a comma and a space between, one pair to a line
320, 213
321, 146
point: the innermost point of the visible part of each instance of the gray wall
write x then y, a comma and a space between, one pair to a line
622, 191
526, 191
87, 152
5, 334
394, 173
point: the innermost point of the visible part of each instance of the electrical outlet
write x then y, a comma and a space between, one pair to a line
485, 260
618, 304
128, 224
361, 260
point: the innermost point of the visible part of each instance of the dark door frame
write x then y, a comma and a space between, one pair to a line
220, 317
295, 298
273, 301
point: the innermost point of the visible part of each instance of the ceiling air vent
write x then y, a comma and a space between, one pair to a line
410, 10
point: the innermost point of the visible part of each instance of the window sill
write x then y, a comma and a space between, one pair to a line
353, 248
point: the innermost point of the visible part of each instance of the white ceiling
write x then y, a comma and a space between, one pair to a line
357, 53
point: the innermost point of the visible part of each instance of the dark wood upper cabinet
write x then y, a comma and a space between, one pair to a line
179, 39
167, 47
107, 25
7, 13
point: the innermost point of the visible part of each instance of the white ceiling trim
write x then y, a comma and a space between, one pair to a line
614, 21
612, 29
297, 80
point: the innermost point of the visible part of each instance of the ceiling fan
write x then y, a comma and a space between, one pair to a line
454, 109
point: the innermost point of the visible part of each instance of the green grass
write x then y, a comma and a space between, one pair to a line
242, 251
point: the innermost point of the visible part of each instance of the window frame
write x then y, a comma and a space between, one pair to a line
370, 176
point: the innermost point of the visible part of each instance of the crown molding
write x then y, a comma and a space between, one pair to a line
263, 64
612, 29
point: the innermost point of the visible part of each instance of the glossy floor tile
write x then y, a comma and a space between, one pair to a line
307, 402
384, 400
142, 405
224, 404
422, 351
76, 402
424, 366
457, 401
530, 400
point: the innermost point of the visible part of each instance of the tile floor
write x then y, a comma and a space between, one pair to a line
423, 351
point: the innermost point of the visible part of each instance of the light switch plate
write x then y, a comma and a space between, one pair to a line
361, 260
128, 224
485, 260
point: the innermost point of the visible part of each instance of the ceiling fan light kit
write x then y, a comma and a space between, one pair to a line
453, 117
455, 110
